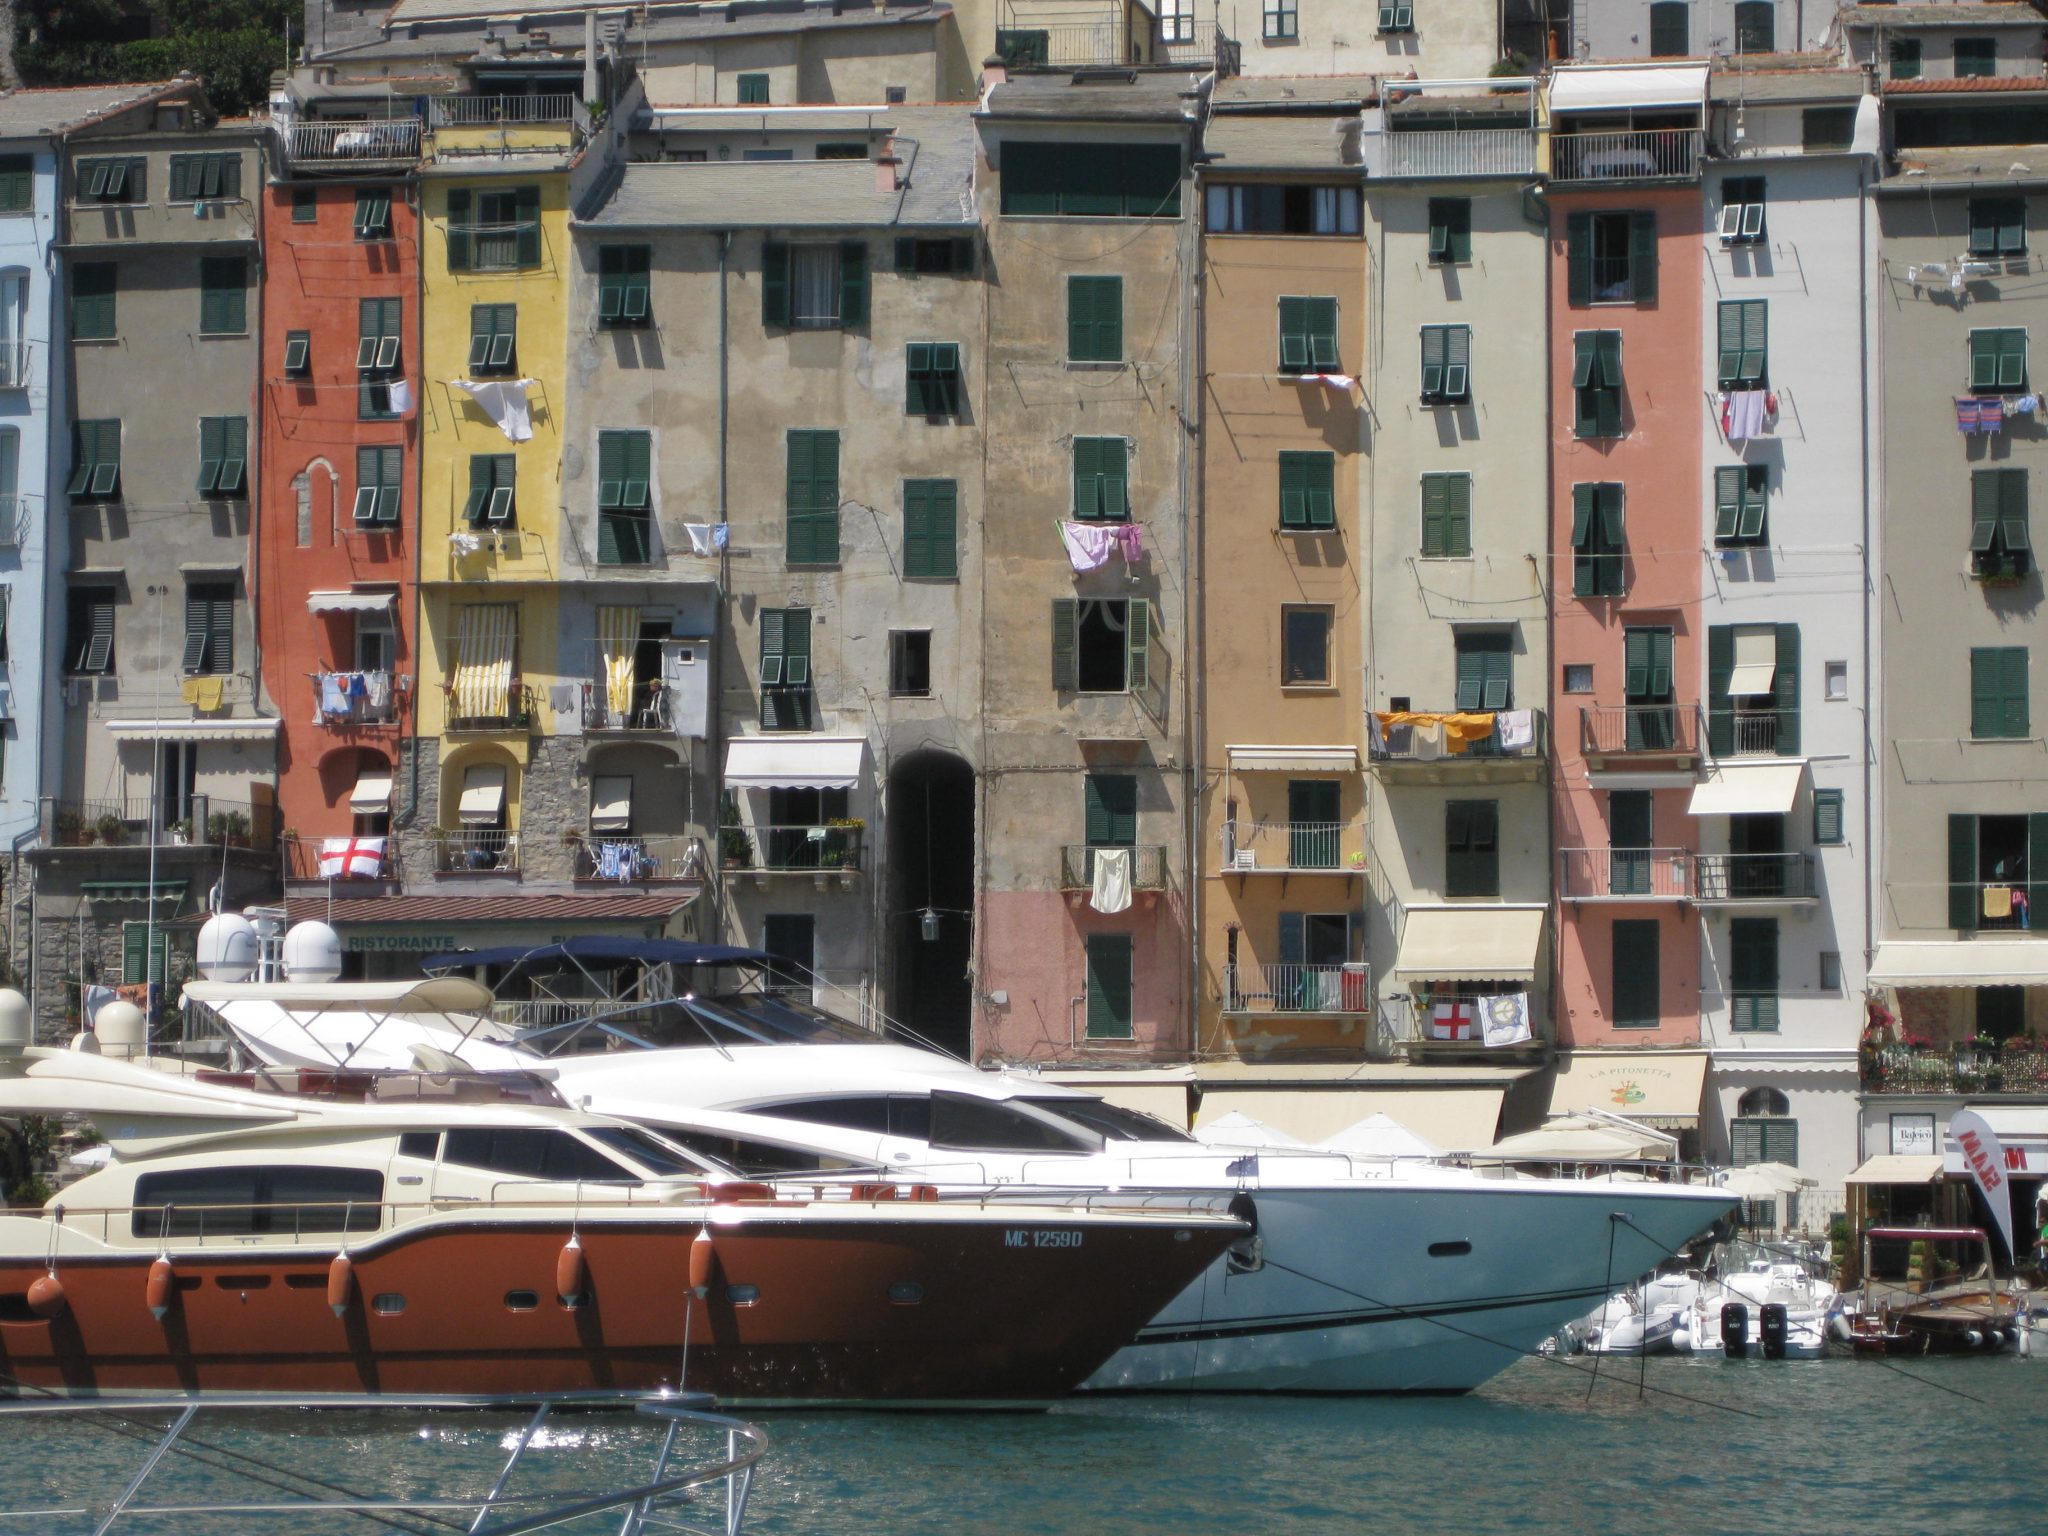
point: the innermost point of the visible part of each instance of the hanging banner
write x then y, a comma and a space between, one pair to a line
1985, 1159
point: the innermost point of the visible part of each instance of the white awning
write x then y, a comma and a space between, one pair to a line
1456, 1119
1962, 963
1598, 87
192, 730
1741, 789
1657, 1088
1470, 944
1898, 1168
794, 762
611, 803
1293, 759
1756, 660
436, 994
1582, 1139
372, 794
483, 794
349, 602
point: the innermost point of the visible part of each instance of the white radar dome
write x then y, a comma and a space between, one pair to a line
120, 1028
227, 948
14, 1022
312, 952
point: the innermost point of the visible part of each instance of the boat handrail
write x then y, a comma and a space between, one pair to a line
657, 1502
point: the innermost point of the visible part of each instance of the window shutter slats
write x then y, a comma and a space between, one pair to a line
1435, 518
1579, 259
853, 283
774, 283
1138, 645
1787, 690
1642, 251
1962, 872
1065, 648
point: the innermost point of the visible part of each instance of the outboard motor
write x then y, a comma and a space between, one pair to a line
1734, 1329
1771, 1330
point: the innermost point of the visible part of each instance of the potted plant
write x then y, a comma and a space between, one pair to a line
112, 829
230, 827
735, 848
842, 842
180, 831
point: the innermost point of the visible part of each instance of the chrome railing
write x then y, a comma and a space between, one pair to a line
475, 851
1474, 152
1647, 728
629, 857
1623, 874
483, 111
1628, 155
1297, 988
380, 141
1754, 877
338, 701
1293, 845
1148, 867
1400, 744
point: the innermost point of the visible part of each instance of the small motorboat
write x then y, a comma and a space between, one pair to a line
1945, 1300
1643, 1320
1772, 1309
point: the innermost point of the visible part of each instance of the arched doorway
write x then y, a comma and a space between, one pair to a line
931, 869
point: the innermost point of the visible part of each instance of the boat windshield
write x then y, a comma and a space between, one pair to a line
753, 1158
1111, 1121
951, 1122
658, 1157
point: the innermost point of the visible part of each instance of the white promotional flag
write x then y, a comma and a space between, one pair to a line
1985, 1159
1506, 1019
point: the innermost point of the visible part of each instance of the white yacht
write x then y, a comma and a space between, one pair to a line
1363, 1274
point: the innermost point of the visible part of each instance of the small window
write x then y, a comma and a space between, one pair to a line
1741, 220
1596, 381
492, 501
1446, 364
1472, 848
1305, 647
623, 284
785, 670
1835, 678
1741, 495
1610, 258
1998, 692
1450, 230
1109, 986
1753, 974
814, 287
1905, 58
1998, 226
1756, 26
841, 152
92, 301
1486, 663
625, 491
223, 295
2001, 548
811, 499
1281, 208
1976, 57
910, 663
373, 214
95, 461
1998, 361
223, 455
1280, 21
424, 1145
1830, 970
1598, 541
753, 90
932, 379
1095, 319
1670, 29
298, 354
1308, 335
1101, 645
377, 472
377, 357
1578, 677
493, 339
493, 231
1397, 16
209, 628
215, 174
1447, 517
1827, 818
555, 1157
116, 180
305, 205
1827, 130
1308, 491
89, 631
1109, 810
923, 257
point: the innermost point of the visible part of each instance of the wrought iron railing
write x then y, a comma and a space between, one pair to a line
1474, 152
1623, 874
1634, 154
1754, 877
1297, 989
629, 858
2018, 1066
1752, 733
475, 851
795, 849
1293, 845
1652, 729
1405, 745
340, 857
354, 698
362, 143
1148, 866
486, 111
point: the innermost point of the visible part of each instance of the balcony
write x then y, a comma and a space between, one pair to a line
17, 364
1324, 989
1623, 874
645, 708
1639, 735
475, 851
355, 145
1293, 848
1148, 867
1632, 154
345, 699
357, 860
2000, 906
201, 822
783, 849
1469, 152
1397, 753
17, 512
2018, 1066
510, 710
485, 111
654, 858
1754, 879
1108, 41
1751, 733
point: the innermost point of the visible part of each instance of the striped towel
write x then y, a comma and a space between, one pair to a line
1991, 413
1968, 415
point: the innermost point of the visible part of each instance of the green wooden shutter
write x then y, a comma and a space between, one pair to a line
1787, 681
1827, 817
223, 295
1728, 494
1432, 361
1985, 678
798, 495
1458, 515
2012, 511
1294, 337
639, 457
1435, 518
2012, 359
1585, 567
1669, 29
1578, 259
1109, 986
1607, 566
1962, 872
1080, 320
1642, 255
2013, 691
212, 450
1095, 319
1471, 676
853, 283
1720, 707
461, 243
771, 647
1983, 359
1753, 973
1293, 491
526, 211
1728, 323
1984, 500
1137, 645
1608, 421
1458, 362
774, 283
1066, 623
1322, 334
928, 529
2037, 861
1636, 982
1293, 936
1112, 810
1440, 229
796, 647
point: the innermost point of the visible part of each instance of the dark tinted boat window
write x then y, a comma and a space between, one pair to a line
962, 1122
757, 1159
906, 1115
242, 1201
658, 1159
553, 1156
420, 1144
1112, 1121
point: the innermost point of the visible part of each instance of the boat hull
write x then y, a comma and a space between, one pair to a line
817, 1312
1390, 1287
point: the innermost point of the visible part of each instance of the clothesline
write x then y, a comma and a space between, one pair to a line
1089, 545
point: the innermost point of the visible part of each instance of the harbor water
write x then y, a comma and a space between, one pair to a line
1668, 1445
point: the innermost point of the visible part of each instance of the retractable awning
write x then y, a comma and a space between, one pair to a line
794, 762
1976, 963
1898, 1168
1598, 88
1657, 1088
372, 794
1741, 789
349, 602
1288, 759
192, 730
611, 803
1470, 944
483, 794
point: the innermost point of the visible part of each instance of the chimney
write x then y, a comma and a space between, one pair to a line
889, 169
994, 71
590, 91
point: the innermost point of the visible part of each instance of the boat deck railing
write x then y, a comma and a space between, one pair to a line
681, 1493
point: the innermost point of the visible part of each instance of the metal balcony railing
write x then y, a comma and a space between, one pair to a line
1345, 989
1623, 874
363, 144
483, 111
1635, 154
1651, 729
1293, 847
353, 698
1738, 877
1474, 152
1753, 733
200, 821
1148, 867
16, 510
511, 711
794, 849
1401, 746
646, 706
475, 851
627, 858
2001, 906
340, 857
1947, 1068
17, 364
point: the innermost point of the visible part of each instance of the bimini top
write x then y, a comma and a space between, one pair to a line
597, 949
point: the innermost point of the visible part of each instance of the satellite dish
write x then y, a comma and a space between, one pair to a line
227, 948
312, 952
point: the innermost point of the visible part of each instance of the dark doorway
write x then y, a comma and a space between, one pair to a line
931, 869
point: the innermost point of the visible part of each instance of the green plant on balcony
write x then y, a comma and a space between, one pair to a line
112, 830
842, 843
1999, 570
180, 830
229, 827
71, 829
735, 848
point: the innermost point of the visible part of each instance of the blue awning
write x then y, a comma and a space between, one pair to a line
597, 949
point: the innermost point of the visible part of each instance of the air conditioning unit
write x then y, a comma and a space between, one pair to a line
1244, 858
